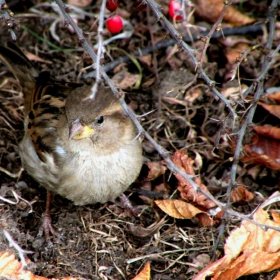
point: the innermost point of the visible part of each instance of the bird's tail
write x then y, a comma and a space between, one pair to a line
21, 67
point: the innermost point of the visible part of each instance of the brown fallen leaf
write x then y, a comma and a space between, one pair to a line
248, 250
273, 109
275, 216
235, 52
146, 59
181, 159
274, 96
263, 150
177, 208
145, 273
193, 94
241, 195
210, 10
125, 80
182, 210
268, 131
12, 268
156, 168
140, 232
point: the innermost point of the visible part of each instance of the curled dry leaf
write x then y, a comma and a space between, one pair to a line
193, 94
145, 273
210, 10
269, 131
233, 53
271, 108
241, 195
265, 145
12, 268
248, 250
141, 232
177, 208
181, 159
125, 79
156, 168
263, 150
274, 96
146, 59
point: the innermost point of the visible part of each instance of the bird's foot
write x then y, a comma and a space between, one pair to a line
47, 229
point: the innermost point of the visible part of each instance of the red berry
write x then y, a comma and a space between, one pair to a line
114, 24
175, 10
112, 5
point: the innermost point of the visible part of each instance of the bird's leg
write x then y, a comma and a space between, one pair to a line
46, 227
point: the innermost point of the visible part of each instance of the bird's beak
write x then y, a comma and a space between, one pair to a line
78, 131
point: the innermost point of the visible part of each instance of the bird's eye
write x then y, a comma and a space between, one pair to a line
100, 120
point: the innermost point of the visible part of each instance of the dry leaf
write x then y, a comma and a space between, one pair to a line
193, 94
125, 80
79, 3
269, 131
275, 216
141, 232
210, 10
185, 163
156, 168
145, 273
263, 150
12, 268
233, 53
274, 96
177, 208
234, 92
248, 250
147, 59
272, 109
241, 195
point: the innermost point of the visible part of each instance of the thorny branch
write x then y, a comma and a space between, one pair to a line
185, 47
213, 29
99, 48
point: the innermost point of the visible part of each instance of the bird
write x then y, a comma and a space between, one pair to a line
85, 149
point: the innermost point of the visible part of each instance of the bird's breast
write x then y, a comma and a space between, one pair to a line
86, 178
82, 175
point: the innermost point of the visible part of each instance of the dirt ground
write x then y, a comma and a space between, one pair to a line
108, 241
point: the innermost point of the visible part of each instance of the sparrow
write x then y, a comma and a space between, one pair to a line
83, 149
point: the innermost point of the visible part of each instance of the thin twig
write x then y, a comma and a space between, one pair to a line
12, 175
21, 252
213, 29
185, 47
255, 28
99, 49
